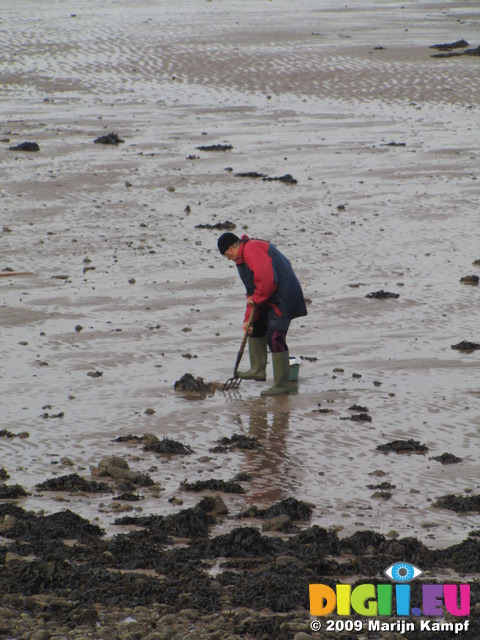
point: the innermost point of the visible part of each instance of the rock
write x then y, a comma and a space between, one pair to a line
279, 523
9, 522
110, 461
15, 558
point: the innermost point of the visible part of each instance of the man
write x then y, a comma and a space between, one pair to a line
274, 289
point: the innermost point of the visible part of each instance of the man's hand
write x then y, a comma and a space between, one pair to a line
250, 301
250, 329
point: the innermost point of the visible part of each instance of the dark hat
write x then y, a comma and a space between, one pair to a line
226, 240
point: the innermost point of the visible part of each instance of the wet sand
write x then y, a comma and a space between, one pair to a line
383, 142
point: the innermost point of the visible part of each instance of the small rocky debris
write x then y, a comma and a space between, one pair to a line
73, 483
278, 523
110, 138
403, 446
117, 468
393, 144
215, 147
382, 295
95, 374
3, 474
237, 441
197, 386
25, 146
472, 280
466, 346
226, 486
460, 504
218, 226
447, 458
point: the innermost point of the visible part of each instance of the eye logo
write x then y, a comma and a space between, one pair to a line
402, 572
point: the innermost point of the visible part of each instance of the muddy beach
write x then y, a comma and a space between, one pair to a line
131, 136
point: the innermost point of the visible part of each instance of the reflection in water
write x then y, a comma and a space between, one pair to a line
268, 465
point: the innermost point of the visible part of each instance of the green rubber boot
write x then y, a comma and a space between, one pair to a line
281, 370
257, 349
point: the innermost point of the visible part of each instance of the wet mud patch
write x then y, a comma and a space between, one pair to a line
403, 446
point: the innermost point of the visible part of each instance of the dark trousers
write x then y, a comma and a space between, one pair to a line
264, 326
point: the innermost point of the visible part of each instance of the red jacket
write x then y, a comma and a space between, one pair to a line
270, 280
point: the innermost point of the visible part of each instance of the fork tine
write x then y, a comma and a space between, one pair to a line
232, 383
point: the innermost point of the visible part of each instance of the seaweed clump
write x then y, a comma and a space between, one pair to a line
403, 446
73, 483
